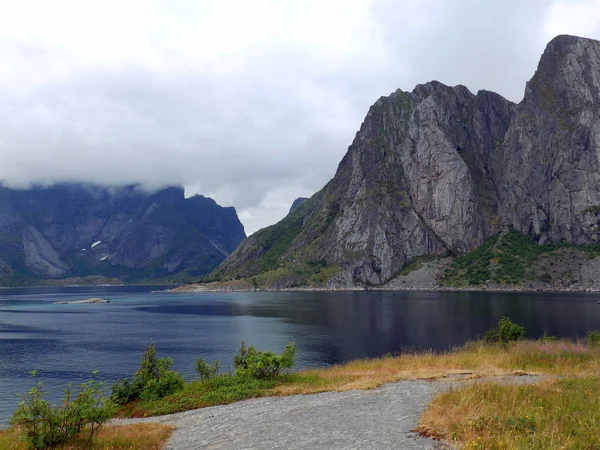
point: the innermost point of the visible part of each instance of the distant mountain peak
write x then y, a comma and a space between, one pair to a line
71, 229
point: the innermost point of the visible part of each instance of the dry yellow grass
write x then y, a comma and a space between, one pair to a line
142, 436
473, 360
553, 414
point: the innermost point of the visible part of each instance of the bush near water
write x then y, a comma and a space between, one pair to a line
153, 380
81, 414
506, 331
504, 352
84, 411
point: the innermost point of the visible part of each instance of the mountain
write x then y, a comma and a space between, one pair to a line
296, 203
77, 230
438, 170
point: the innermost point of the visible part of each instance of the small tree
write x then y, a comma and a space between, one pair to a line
593, 337
506, 331
258, 364
153, 380
206, 371
48, 425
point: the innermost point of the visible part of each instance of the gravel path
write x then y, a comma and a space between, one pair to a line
370, 419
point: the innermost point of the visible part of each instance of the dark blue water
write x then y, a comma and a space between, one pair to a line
65, 343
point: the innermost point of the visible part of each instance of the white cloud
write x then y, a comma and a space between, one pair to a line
580, 18
253, 103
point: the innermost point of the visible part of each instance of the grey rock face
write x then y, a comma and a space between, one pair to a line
439, 169
548, 171
81, 230
39, 254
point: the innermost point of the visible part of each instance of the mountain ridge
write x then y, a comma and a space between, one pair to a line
438, 170
80, 230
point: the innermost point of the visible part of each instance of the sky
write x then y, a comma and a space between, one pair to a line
252, 103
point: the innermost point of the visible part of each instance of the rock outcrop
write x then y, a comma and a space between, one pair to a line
438, 170
296, 203
75, 230
84, 301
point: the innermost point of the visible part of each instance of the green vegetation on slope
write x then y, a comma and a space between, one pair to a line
267, 247
277, 260
505, 259
278, 238
313, 274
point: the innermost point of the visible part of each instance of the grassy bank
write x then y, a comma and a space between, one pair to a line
553, 414
473, 360
143, 436
562, 411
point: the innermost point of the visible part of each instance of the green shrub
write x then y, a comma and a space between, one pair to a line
548, 338
506, 331
258, 364
593, 337
153, 380
47, 425
123, 392
206, 371
167, 382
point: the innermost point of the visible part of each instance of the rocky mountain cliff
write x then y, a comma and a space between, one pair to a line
438, 170
75, 230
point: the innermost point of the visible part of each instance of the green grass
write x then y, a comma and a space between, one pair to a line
220, 390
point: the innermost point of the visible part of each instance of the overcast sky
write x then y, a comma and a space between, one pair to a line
253, 103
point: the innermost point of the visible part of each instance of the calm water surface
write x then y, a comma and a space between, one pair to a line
65, 343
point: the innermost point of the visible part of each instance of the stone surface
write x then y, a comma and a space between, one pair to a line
425, 277
381, 418
437, 170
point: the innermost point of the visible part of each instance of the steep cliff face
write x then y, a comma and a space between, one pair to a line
79, 230
548, 171
437, 170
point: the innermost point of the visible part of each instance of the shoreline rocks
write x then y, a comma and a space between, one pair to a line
84, 301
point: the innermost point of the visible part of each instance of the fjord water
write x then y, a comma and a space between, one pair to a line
65, 343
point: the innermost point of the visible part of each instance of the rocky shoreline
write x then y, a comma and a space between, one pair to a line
569, 270
84, 301
427, 277
200, 288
